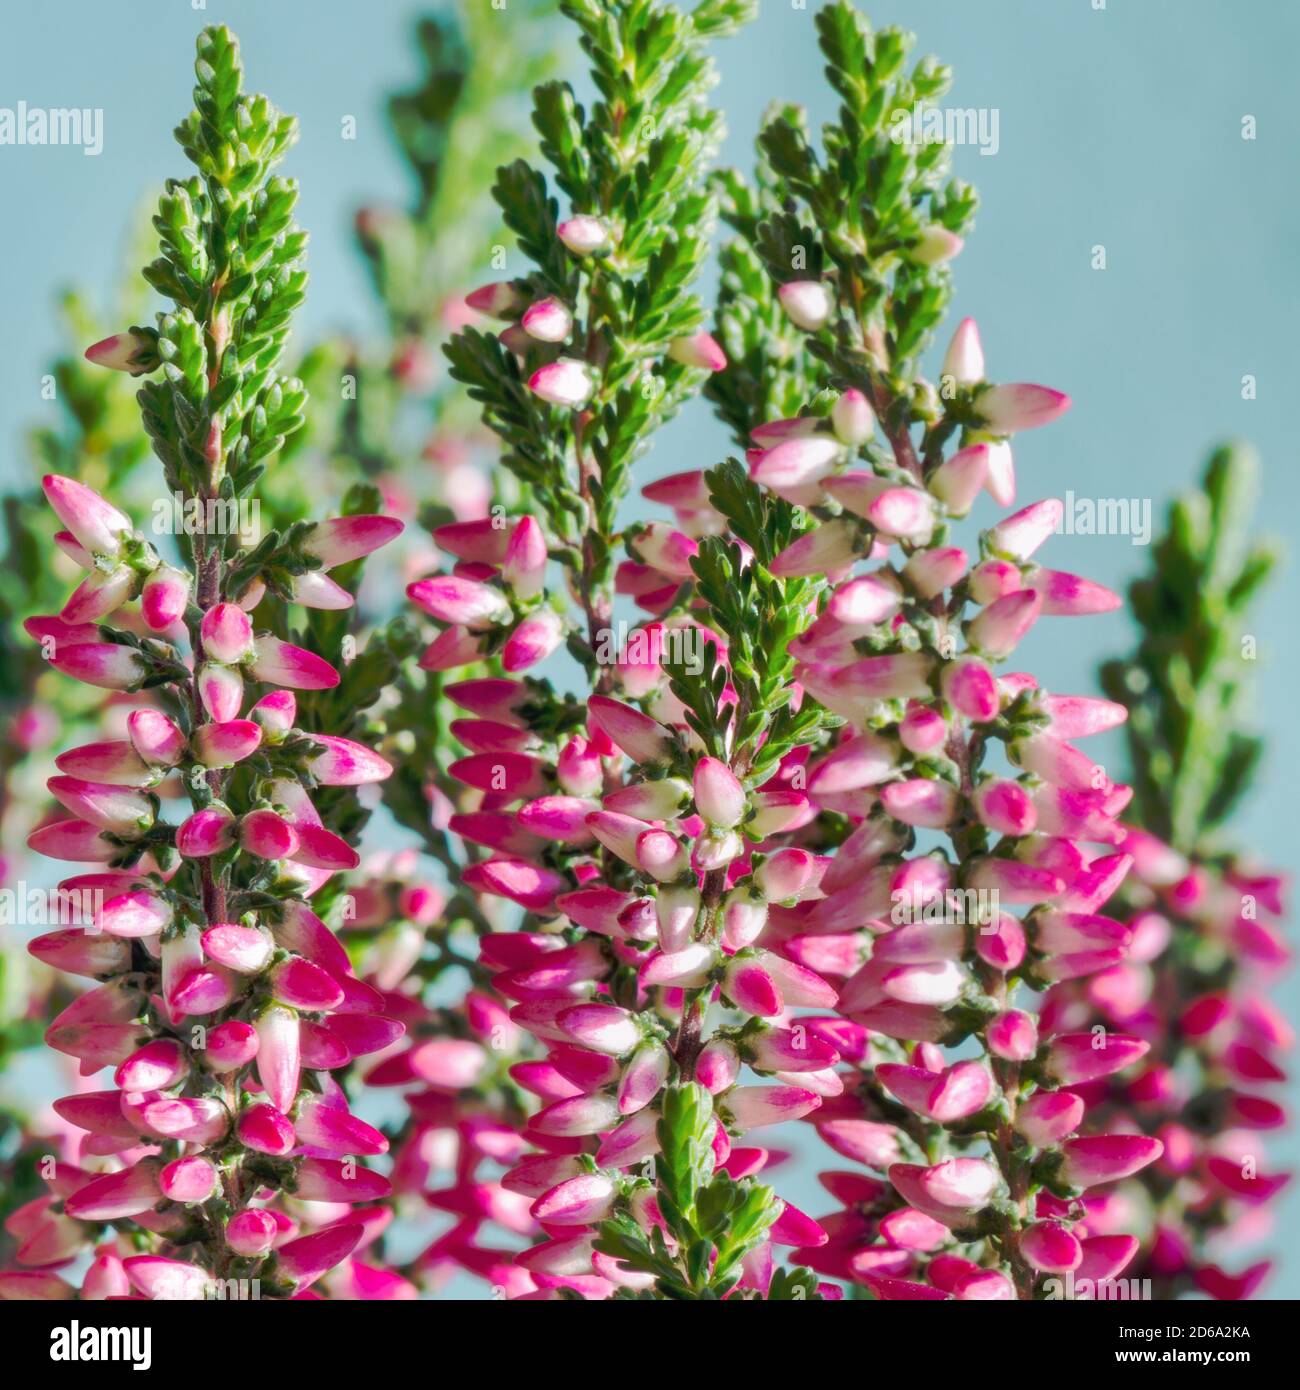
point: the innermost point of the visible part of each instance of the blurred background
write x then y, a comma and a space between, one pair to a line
1135, 247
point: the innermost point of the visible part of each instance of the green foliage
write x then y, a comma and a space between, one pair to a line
857, 214
714, 1220
635, 160
760, 615
231, 260
464, 115
769, 376
1186, 683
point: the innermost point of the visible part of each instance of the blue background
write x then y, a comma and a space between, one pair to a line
1119, 127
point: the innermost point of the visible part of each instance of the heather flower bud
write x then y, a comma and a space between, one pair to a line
935, 245
221, 690
806, 302
584, 235
565, 382
1008, 409
164, 597
134, 352
958, 480
103, 664
719, 796
853, 418
547, 320
964, 359
698, 350
1107, 1158
1048, 1116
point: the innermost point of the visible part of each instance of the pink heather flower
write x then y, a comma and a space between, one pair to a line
1005, 807
998, 629
719, 796
643, 739
116, 1196
1048, 1116
964, 359
958, 480
157, 739
547, 320
523, 565
1009, 409
104, 664
950, 1192
464, 602
251, 1232
698, 350
221, 690
1075, 1057
807, 302
1013, 1035
500, 300
750, 1107
923, 729
1069, 596
75, 840
206, 832
278, 1055
80, 953
532, 641
667, 550
306, 1259
223, 745
852, 418
343, 539
1019, 536
275, 713
100, 594
97, 525
1050, 1247
226, 633
192, 1179
932, 571
579, 1201
565, 382
921, 802
1107, 1158
281, 663
584, 235
117, 809
935, 245
315, 589
345, 763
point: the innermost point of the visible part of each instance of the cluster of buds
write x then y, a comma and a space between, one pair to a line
662, 878
221, 1029
920, 947
224, 1147
541, 330
1204, 946
463, 1077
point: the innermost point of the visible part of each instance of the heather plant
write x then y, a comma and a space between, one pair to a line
222, 1001
800, 848
1206, 920
92, 432
727, 831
